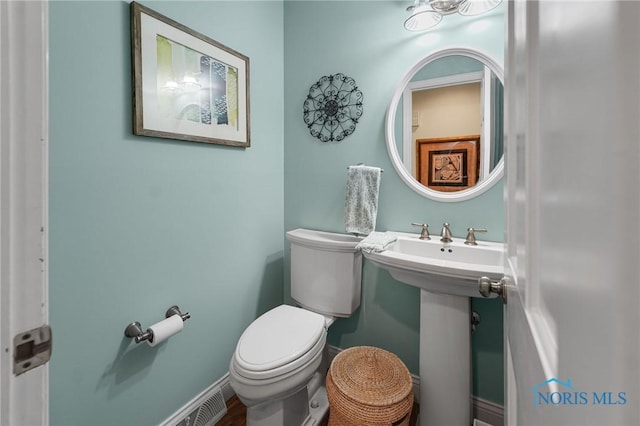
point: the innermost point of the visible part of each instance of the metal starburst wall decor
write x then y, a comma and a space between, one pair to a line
333, 107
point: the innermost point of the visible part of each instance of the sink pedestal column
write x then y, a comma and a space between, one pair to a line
445, 360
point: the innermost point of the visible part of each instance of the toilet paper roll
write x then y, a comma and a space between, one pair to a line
164, 329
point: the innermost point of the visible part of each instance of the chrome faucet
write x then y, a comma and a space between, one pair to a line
446, 233
424, 233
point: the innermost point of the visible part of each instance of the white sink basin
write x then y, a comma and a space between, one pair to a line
444, 268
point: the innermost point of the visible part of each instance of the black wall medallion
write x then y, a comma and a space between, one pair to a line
333, 107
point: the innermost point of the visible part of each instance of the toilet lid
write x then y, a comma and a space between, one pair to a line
278, 337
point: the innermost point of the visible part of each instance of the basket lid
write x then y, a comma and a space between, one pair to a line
278, 337
371, 376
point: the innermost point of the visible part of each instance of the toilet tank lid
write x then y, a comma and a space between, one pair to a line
278, 337
321, 240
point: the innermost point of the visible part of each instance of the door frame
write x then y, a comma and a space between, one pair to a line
24, 134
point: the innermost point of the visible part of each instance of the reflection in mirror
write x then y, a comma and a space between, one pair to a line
445, 125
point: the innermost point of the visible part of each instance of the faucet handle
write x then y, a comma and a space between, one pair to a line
424, 233
471, 235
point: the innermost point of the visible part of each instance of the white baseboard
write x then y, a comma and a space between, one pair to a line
225, 384
227, 392
488, 412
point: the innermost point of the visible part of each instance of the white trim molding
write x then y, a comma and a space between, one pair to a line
24, 134
488, 412
222, 384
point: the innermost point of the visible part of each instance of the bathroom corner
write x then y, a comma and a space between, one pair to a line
371, 48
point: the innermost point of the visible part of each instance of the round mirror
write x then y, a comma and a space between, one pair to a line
445, 124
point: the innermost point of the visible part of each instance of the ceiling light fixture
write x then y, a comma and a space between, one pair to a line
426, 14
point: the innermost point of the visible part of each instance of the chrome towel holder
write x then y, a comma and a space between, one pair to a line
134, 330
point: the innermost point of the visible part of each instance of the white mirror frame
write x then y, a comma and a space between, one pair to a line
495, 175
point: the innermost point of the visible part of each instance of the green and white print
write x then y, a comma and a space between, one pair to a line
195, 87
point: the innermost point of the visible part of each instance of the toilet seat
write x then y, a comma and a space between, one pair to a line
278, 342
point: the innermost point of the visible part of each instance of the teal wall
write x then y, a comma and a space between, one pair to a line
138, 224
365, 40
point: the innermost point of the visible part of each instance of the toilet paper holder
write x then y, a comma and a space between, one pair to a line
134, 330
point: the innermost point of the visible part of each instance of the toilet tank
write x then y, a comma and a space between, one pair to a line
326, 271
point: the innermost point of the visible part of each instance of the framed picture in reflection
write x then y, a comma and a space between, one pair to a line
448, 164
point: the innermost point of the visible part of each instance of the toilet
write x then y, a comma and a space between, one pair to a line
279, 366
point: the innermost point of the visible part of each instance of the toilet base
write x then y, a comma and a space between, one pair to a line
318, 407
289, 411
295, 410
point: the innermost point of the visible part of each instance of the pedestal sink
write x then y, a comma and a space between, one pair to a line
447, 275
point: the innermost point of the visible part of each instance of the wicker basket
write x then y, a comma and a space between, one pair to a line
369, 386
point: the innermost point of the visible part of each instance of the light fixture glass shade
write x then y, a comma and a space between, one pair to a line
422, 19
445, 7
477, 7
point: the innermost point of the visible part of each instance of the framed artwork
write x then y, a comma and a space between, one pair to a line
186, 86
448, 164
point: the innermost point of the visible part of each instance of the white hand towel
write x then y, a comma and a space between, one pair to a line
376, 242
361, 203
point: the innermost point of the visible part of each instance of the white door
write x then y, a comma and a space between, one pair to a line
573, 213
24, 393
